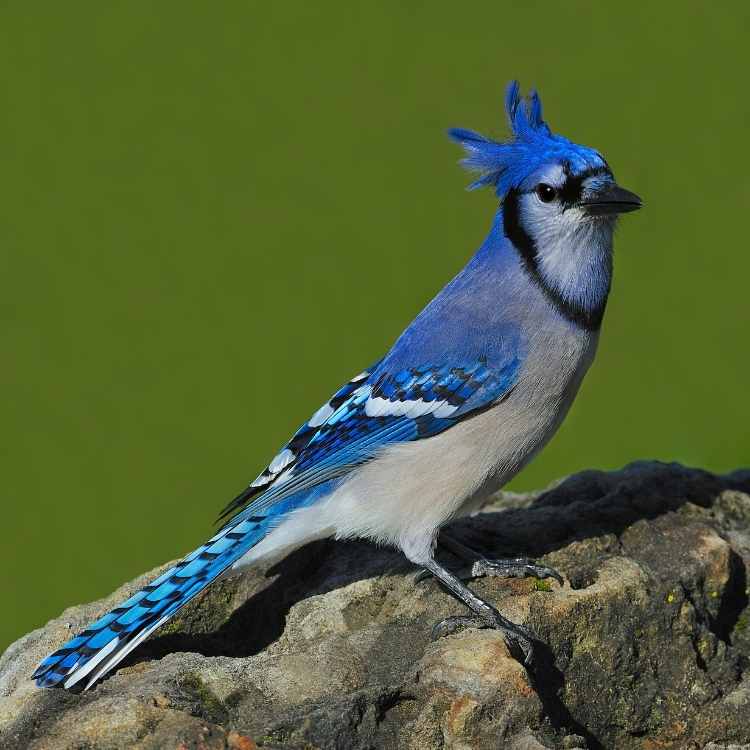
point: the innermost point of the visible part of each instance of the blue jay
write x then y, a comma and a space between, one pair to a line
468, 394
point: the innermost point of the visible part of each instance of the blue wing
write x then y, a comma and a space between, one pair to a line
373, 410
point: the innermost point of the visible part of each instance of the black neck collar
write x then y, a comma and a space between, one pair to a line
590, 319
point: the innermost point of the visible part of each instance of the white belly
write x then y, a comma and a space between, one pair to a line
411, 489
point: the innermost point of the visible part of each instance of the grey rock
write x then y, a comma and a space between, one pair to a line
647, 645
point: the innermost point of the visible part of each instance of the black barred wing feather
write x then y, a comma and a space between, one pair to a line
371, 411
301, 438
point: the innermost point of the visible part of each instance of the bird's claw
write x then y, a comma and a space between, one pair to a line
518, 638
422, 575
454, 624
519, 567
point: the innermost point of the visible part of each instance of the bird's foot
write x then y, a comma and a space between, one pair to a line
518, 638
517, 567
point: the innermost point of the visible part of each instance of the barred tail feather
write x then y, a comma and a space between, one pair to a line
100, 647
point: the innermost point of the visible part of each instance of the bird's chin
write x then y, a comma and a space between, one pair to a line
598, 220
604, 211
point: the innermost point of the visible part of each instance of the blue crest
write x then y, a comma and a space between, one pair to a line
506, 165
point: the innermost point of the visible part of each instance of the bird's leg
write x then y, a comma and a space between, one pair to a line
486, 616
516, 567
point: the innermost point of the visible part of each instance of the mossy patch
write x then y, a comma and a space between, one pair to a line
206, 613
205, 703
542, 585
171, 627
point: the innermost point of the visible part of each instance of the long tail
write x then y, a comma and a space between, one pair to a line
106, 642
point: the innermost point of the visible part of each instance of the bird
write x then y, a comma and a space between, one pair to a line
468, 394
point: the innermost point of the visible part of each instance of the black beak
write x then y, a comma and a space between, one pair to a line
612, 200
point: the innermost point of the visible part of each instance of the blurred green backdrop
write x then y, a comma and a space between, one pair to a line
214, 213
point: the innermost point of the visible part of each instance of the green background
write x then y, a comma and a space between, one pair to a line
211, 214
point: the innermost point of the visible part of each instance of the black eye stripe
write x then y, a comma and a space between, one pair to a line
570, 191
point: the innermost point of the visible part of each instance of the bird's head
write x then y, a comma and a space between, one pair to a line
559, 204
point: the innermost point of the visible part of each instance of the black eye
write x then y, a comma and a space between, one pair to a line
546, 192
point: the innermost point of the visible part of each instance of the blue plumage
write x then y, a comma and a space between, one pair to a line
468, 393
507, 165
350, 436
110, 638
319, 456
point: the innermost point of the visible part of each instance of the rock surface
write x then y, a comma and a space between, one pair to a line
647, 645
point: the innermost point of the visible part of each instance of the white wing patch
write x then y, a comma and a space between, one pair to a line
277, 470
281, 461
281, 467
284, 476
376, 406
81, 673
321, 416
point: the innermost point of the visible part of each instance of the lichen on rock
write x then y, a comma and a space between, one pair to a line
647, 645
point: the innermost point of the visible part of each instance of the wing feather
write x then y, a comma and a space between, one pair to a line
371, 411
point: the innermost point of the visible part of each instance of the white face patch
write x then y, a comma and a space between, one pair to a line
573, 250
